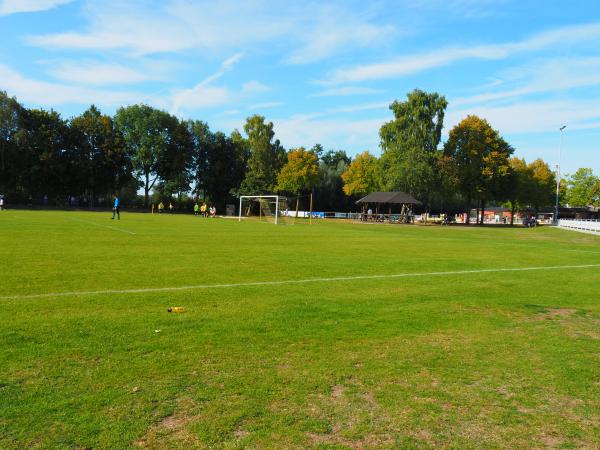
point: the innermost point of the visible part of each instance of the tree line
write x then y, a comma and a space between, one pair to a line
88, 158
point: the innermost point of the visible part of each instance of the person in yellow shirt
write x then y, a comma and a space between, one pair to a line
203, 209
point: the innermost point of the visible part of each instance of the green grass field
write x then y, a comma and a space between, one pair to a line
450, 356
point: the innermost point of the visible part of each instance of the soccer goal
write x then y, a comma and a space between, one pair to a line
266, 208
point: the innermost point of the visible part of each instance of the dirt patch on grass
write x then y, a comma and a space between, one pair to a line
335, 439
505, 392
551, 441
576, 323
241, 434
337, 391
552, 313
356, 419
171, 430
172, 422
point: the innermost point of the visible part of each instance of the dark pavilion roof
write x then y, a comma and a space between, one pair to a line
390, 198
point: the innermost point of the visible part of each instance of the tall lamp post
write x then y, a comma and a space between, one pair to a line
558, 174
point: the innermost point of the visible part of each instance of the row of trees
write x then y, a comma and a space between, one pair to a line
143, 149
474, 167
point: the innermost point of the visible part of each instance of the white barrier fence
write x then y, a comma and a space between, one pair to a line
585, 226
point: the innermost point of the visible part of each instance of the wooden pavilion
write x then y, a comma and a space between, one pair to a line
388, 200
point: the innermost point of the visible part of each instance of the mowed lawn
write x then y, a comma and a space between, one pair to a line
459, 354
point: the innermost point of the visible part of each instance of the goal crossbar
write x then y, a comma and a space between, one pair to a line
259, 197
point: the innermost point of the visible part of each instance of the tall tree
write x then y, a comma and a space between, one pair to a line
333, 158
102, 161
175, 162
481, 158
329, 192
318, 150
596, 194
446, 194
410, 144
300, 173
146, 133
10, 116
219, 162
362, 176
542, 186
266, 157
48, 155
520, 186
582, 188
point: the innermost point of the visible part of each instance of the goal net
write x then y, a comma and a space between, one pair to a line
265, 208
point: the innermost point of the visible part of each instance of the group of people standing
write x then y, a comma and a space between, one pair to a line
204, 210
161, 207
199, 209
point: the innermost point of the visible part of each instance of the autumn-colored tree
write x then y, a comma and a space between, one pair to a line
542, 185
300, 173
362, 176
481, 157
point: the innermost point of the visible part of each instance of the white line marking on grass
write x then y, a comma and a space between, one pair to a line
283, 282
103, 226
584, 251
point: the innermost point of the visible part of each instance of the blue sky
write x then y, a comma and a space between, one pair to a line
321, 71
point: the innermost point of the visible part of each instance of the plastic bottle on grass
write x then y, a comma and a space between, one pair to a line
176, 309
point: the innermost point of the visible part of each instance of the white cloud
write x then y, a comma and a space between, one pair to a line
412, 64
331, 29
359, 107
41, 93
331, 133
226, 66
92, 73
325, 127
148, 28
24, 6
141, 28
540, 77
124, 25
231, 61
265, 105
347, 91
254, 87
532, 116
231, 112
467, 9
202, 95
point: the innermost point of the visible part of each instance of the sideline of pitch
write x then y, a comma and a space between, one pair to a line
284, 282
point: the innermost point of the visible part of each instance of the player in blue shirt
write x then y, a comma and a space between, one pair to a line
116, 208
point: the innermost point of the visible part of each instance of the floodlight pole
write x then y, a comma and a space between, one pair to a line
561, 129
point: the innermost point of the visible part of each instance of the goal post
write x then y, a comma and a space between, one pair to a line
267, 208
